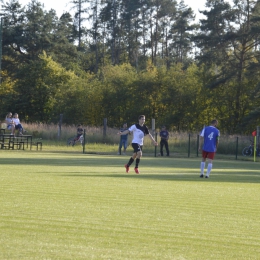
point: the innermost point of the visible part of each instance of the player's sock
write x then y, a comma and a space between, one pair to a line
209, 169
130, 161
202, 166
137, 162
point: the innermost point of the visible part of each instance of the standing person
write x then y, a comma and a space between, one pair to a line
10, 123
210, 136
123, 139
164, 134
139, 131
17, 123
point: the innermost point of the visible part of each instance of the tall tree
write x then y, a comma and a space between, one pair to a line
228, 39
36, 91
181, 32
80, 7
12, 36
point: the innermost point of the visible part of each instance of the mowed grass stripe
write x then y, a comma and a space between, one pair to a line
89, 208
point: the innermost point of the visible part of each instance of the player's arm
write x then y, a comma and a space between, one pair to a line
124, 132
151, 137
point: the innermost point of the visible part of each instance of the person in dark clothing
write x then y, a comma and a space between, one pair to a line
164, 134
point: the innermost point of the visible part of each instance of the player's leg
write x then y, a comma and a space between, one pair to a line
161, 147
138, 158
132, 158
210, 160
202, 164
124, 145
120, 146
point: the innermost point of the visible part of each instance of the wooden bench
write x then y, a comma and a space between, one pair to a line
5, 145
38, 144
19, 145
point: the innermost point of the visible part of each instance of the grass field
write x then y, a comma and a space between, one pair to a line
75, 206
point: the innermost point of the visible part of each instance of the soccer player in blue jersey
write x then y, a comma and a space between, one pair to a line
208, 144
139, 131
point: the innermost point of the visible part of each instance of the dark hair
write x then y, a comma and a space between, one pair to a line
141, 117
214, 121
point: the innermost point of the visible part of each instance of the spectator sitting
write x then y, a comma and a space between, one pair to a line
79, 134
10, 123
17, 123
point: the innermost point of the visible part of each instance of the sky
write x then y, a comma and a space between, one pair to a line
58, 5
62, 5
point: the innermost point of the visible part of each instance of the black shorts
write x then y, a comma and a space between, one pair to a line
137, 147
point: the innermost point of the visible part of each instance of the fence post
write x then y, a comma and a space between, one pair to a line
236, 147
155, 147
254, 151
257, 140
198, 144
153, 126
120, 148
105, 128
189, 147
60, 123
84, 140
154, 134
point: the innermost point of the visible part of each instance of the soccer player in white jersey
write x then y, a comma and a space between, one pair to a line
139, 131
210, 136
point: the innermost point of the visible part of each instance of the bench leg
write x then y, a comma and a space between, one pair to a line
39, 144
21, 145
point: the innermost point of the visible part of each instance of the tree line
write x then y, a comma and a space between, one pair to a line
118, 59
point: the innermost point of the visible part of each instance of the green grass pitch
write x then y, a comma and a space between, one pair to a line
76, 206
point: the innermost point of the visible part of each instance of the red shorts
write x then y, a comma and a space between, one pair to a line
209, 155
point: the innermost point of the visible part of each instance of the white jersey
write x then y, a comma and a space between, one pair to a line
16, 121
138, 133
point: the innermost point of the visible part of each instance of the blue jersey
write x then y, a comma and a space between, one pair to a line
211, 135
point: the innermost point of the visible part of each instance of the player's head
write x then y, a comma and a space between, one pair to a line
214, 122
125, 125
163, 127
79, 125
141, 119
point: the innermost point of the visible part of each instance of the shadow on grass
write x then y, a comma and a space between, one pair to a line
215, 177
178, 169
